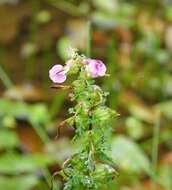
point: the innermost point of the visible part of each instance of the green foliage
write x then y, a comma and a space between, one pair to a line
90, 167
166, 108
113, 15
37, 113
62, 45
18, 183
109, 5
135, 40
8, 139
14, 163
134, 127
168, 13
165, 176
8, 1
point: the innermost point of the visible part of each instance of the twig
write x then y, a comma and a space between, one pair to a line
5, 78
155, 144
88, 48
64, 87
59, 127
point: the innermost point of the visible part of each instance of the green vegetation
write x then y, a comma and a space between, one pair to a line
134, 40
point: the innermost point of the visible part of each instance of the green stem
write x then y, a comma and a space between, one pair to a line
47, 58
43, 136
88, 48
57, 103
5, 78
155, 144
3, 74
31, 61
88, 53
48, 178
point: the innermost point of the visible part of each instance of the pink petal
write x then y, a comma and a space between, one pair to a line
93, 69
96, 67
55, 69
58, 78
56, 74
102, 70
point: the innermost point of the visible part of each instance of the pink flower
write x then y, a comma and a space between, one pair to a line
96, 68
58, 73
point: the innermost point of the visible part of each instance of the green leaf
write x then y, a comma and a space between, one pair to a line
166, 108
19, 109
107, 21
8, 139
168, 13
62, 45
129, 156
134, 127
8, 121
142, 112
165, 177
14, 163
37, 113
18, 183
108, 5
8, 1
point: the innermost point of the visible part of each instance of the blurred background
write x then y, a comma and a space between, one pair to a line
134, 39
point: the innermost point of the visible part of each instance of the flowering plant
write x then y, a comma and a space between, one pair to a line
90, 167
